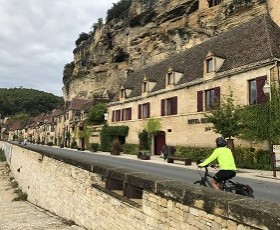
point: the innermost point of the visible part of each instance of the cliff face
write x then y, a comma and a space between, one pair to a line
150, 31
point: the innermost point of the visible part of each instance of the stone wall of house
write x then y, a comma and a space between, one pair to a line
86, 194
188, 124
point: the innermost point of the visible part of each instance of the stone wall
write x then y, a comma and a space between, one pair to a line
98, 196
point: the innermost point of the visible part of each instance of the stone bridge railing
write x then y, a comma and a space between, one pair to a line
98, 196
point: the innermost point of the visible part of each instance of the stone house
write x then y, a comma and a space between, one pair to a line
180, 90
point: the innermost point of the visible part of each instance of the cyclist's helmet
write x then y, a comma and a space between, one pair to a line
221, 142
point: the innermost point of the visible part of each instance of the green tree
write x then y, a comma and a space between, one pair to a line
96, 114
152, 126
262, 121
226, 117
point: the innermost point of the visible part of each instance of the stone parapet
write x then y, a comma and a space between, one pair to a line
100, 196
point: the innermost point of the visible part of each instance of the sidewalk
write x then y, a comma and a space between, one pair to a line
17, 215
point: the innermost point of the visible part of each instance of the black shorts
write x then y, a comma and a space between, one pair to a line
224, 175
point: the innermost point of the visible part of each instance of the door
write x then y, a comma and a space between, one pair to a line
159, 142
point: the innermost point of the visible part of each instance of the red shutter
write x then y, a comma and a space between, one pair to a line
113, 116
139, 112
149, 107
199, 101
261, 97
162, 107
128, 117
217, 95
174, 106
122, 114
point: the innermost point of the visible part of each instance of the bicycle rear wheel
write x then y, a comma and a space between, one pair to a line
238, 191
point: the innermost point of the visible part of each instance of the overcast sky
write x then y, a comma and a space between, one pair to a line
37, 38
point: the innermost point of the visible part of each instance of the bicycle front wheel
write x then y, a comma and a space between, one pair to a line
201, 182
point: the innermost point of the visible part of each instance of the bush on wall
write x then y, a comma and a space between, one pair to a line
109, 133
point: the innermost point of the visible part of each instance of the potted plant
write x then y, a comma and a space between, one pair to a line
116, 147
144, 155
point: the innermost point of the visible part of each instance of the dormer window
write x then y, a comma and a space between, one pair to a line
170, 78
147, 86
144, 87
209, 65
212, 64
123, 94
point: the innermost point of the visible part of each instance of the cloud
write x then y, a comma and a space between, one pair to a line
38, 37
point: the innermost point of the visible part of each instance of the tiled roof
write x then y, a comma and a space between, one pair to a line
78, 104
251, 42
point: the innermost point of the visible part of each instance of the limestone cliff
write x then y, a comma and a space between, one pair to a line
145, 33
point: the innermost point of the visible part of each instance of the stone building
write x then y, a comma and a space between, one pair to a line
180, 90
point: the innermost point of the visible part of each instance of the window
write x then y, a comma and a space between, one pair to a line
144, 87
123, 93
126, 114
169, 106
209, 65
116, 115
252, 92
169, 79
211, 98
144, 111
256, 94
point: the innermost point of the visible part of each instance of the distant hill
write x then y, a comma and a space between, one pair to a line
30, 101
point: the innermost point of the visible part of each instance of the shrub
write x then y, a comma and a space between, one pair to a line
2, 155
143, 140
244, 157
132, 149
94, 147
50, 143
74, 145
116, 147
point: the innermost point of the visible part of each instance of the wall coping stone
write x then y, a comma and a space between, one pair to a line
228, 205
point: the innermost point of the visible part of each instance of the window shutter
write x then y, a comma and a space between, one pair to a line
139, 111
261, 97
174, 106
199, 101
217, 95
113, 116
162, 107
148, 105
129, 113
122, 114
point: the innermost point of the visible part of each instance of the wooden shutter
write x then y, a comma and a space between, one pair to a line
162, 107
261, 97
217, 95
174, 106
139, 112
122, 114
148, 107
128, 117
113, 115
199, 101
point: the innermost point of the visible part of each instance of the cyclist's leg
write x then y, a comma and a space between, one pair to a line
221, 176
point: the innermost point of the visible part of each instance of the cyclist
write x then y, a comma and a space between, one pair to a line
226, 163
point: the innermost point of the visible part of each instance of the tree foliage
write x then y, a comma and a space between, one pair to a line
67, 75
82, 37
226, 117
96, 114
262, 122
119, 10
27, 101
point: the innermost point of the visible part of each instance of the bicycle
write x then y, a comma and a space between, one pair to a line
227, 185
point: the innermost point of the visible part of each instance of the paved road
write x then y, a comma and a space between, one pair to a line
265, 188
